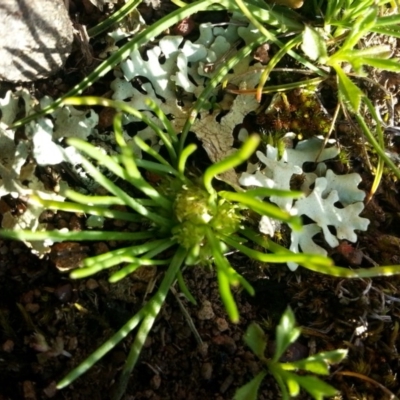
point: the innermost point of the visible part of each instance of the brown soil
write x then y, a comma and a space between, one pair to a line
50, 323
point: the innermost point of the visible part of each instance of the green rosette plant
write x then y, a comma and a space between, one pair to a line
285, 373
180, 215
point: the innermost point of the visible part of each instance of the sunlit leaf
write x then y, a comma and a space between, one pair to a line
286, 333
349, 91
314, 45
312, 365
319, 363
360, 28
316, 387
292, 384
387, 65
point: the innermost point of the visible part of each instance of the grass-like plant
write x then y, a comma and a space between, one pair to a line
285, 374
182, 214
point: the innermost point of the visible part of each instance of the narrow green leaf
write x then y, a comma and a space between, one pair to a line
232, 161
316, 387
184, 289
387, 65
286, 333
360, 28
382, 52
262, 207
332, 357
129, 269
319, 363
255, 338
350, 93
249, 390
314, 262
319, 367
227, 296
86, 209
114, 18
266, 192
333, 8
57, 236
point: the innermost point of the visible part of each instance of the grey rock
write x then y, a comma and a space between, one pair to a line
36, 39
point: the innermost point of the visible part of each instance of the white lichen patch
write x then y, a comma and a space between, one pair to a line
43, 143
332, 202
174, 73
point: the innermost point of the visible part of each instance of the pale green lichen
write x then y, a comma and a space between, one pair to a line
322, 193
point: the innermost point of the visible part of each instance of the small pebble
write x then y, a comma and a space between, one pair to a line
29, 390
73, 343
206, 370
51, 390
222, 324
8, 346
206, 312
64, 293
91, 284
203, 349
32, 308
155, 381
100, 248
226, 383
227, 342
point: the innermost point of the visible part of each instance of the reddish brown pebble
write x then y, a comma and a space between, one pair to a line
75, 224
184, 27
206, 371
100, 248
91, 284
221, 323
106, 117
227, 342
155, 381
32, 308
119, 223
8, 346
68, 255
29, 390
226, 383
51, 390
27, 297
352, 255
261, 54
64, 293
